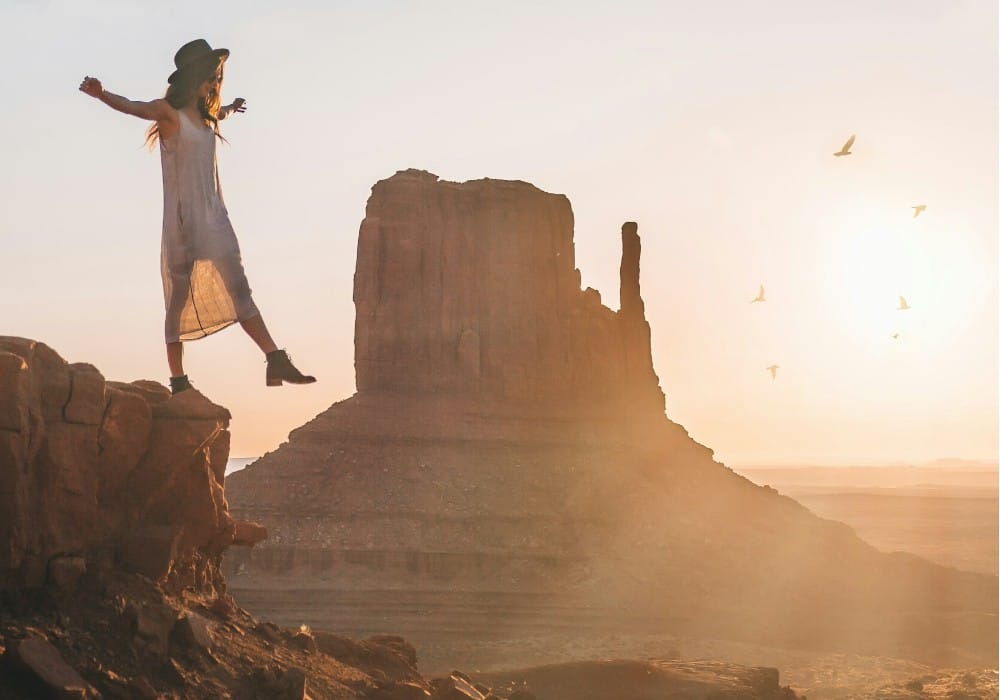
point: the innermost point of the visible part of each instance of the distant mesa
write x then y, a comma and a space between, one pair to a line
470, 290
506, 467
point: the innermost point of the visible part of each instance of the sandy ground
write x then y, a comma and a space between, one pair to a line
465, 633
815, 675
951, 523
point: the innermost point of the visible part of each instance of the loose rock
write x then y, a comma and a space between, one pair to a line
43, 661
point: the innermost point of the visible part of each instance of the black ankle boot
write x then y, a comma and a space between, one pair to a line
179, 384
280, 369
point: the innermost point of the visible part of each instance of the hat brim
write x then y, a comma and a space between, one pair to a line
215, 56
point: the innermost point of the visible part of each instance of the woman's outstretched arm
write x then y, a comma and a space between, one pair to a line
157, 110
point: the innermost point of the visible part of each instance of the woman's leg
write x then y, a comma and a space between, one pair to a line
178, 284
175, 358
230, 270
178, 380
255, 328
279, 366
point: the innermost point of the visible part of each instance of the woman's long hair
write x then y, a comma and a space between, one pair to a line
180, 92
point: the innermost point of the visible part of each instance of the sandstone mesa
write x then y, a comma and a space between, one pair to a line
506, 461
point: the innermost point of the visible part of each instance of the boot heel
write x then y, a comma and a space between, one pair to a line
274, 382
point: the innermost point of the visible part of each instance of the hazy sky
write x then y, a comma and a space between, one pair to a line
711, 124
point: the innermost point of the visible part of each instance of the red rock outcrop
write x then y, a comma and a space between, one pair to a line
106, 471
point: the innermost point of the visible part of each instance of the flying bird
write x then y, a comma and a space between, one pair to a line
845, 150
760, 295
894, 336
903, 306
918, 209
773, 369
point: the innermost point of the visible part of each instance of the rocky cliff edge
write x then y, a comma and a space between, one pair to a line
104, 472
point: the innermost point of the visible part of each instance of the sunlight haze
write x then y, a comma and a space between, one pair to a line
713, 125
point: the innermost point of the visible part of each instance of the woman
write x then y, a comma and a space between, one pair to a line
204, 286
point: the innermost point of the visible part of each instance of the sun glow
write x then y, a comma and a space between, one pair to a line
866, 268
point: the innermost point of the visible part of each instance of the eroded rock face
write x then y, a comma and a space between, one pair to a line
471, 289
97, 469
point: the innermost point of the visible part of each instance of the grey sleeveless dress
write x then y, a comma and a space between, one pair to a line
204, 286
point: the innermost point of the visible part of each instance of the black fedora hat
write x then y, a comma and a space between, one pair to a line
195, 53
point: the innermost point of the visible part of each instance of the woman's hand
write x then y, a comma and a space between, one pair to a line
238, 105
92, 87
